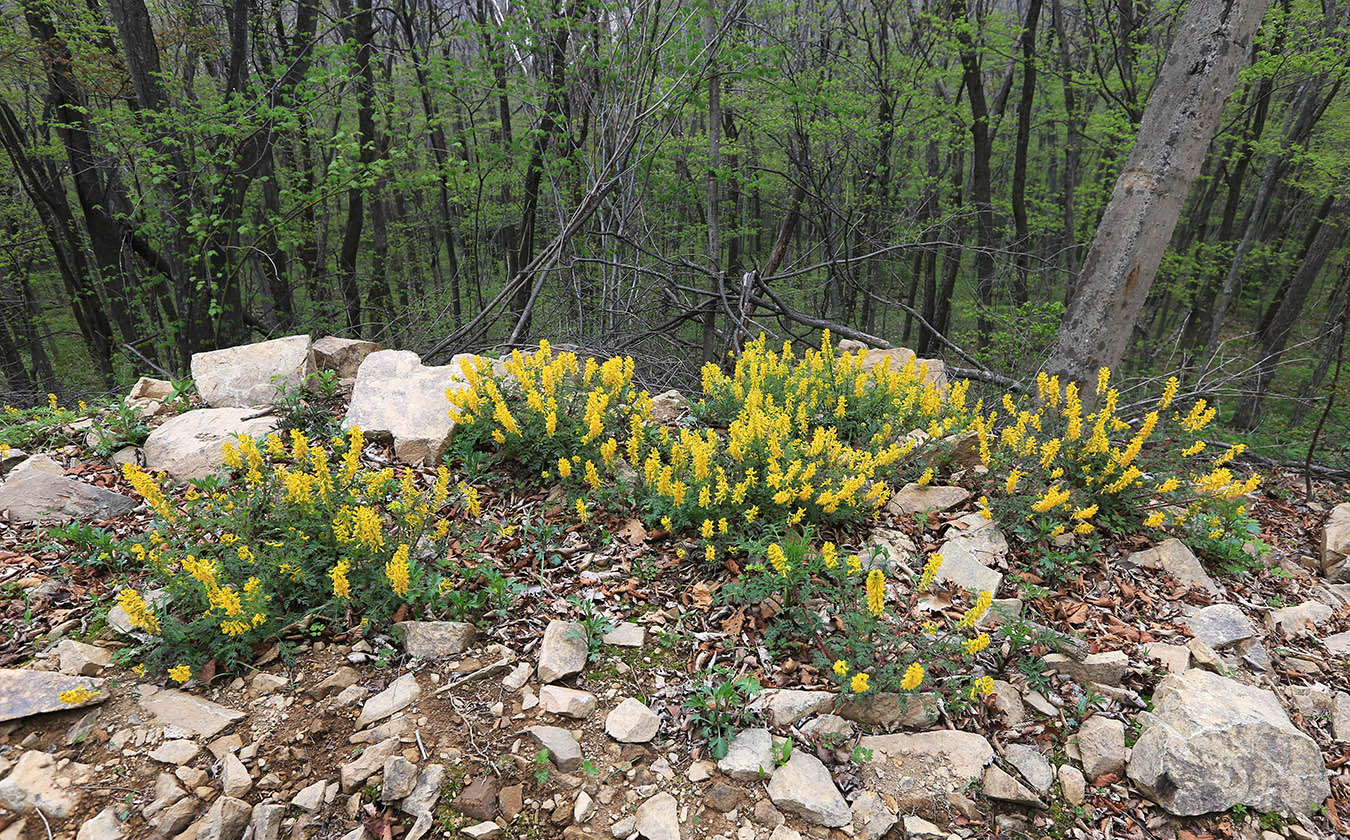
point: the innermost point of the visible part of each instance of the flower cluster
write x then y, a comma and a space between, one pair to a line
1058, 469
876, 631
551, 412
304, 530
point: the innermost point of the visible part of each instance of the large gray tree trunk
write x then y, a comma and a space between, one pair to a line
1183, 113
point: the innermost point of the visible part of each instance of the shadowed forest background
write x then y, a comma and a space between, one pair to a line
662, 179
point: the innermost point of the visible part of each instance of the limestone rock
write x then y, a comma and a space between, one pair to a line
24, 692
226, 820
749, 756
1175, 559
310, 798
343, 678
872, 820
832, 730
891, 708
1008, 700
1106, 668
659, 818
1073, 784
176, 751
563, 651
891, 551
912, 498
1175, 658
568, 702
102, 826
81, 659
194, 716
968, 556
667, 407
1299, 620
1340, 716
786, 706
247, 376
265, 822
436, 639
1338, 644
999, 785
342, 355
425, 792
1220, 625
396, 396
918, 769
354, 773
400, 694
1101, 745
39, 496
148, 396
804, 787
37, 782
1032, 765
1212, 743
188, 446
234, 776
563, 749
625, 634
400, 776
632, 722
1336, 544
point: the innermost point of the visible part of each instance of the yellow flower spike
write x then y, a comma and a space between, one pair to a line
1103, 377
180, 673
778, 559
398, 572
859, 683
78, 696
926, 478
913, 677
841, 667
982, 687
582, 512
1010, 484
976, 612
977, 644
876, 592
930, 570
138, 612
341, 586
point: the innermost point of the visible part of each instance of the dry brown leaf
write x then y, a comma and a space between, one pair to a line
634, 532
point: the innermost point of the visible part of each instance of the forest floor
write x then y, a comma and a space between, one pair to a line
149, 762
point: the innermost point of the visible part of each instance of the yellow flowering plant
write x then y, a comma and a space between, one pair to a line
552, 414
865, 620
301, 531
1064, 465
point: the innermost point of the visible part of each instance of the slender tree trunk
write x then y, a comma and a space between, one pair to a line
714, 161
1019, 182
1174, 134
982, 150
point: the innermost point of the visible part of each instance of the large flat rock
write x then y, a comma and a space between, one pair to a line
1212, 743
195, 717
24, 692
248, 375
918, 771
1336, 544
189, 446
343, 356
396, 396
35, 495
